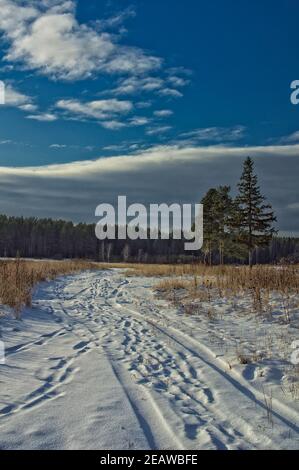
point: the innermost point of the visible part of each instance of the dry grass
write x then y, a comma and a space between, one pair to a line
18, 277
131, 266
203, 284
234, 279
162, 270
278, 278
174, 284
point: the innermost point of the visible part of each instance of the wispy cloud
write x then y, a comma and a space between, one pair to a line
15, 98
113, 125
58, 146
143, 104
29, 108
162, 113
133, 85
151, 84
178, 81
126, 146
116, 20
43, 117
158, 130
215, 134
110, 114
139, 121
98, 110
171, 92
290, 139
88, 148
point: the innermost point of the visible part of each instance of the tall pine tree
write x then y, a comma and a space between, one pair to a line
253, 219
210, 224
217, 210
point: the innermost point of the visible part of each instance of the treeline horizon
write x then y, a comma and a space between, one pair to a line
31, 237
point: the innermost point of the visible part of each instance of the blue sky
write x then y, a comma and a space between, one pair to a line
88, 80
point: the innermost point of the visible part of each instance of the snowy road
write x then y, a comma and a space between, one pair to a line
99, 363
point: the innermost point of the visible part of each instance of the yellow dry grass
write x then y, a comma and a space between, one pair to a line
234, 278
209, 283
18, 277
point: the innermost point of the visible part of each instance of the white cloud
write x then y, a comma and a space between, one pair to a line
178, 81
163, 113
58, 146
13, 18
100, 109
158, 85
139, 121
158, 130
171, 92
132, 85
177, 71
106, 112
290, 139
88, 148
43, 117
46, 36
115, 147
125, 146
156, 155
29, 108
113, 125
131, 60
15, 98
216, 134
143, 104
116, 20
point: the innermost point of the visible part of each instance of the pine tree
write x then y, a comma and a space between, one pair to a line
223, 209
210, 227
217, 210
252, 218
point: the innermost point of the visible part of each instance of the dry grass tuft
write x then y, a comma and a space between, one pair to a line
18, 277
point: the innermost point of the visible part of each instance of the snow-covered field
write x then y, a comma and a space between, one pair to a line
99, 362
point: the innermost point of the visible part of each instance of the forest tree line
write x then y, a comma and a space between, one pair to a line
58, 239
236, 230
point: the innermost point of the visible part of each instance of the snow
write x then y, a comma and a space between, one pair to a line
99, 362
